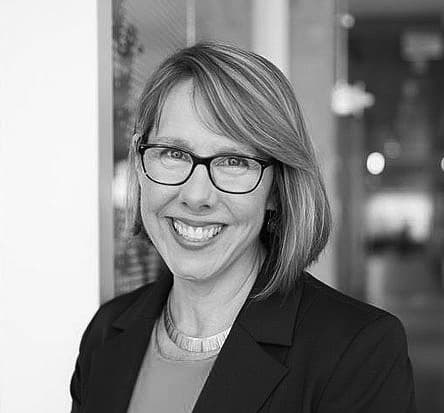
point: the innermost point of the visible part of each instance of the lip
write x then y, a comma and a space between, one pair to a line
193, 245
195, 223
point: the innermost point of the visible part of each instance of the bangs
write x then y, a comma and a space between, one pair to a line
230, 105
236, 94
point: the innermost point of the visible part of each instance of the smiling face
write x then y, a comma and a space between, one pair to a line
201, 232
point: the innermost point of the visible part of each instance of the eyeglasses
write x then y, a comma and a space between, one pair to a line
231, 173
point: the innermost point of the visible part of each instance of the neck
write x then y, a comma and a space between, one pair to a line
205, 308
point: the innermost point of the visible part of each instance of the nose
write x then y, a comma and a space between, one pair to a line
198, 193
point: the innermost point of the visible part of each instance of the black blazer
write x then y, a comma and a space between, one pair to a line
318, 351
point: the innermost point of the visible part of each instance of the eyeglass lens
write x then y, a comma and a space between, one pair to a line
231, 173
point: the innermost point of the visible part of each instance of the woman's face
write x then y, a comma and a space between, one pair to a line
172, 215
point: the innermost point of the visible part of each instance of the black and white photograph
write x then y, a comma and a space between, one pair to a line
222, 206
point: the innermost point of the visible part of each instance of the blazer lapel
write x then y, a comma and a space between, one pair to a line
242, 377
115, 368
115, 365
244, 373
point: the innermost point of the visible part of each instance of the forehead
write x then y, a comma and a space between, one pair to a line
183, 121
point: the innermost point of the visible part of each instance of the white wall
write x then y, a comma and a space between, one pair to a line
270, 31
49, 197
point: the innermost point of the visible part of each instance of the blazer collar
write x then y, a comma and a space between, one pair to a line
247, 370
269, 321
244, 374
149, 305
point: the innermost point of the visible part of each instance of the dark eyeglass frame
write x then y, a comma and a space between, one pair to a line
199, 160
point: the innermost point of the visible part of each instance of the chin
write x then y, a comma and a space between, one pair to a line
191, 270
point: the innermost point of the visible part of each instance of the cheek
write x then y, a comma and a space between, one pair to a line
151, 203
147, 200
253, 208
249, 212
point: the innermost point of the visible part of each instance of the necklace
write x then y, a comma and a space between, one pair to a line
189, 343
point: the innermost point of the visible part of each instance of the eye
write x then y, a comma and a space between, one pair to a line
174, 154
234, 162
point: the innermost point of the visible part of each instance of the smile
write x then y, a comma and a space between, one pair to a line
196, 233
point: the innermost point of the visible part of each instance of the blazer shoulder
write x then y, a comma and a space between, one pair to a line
355, 346
99, 328
339, 315
113, 308
336, 301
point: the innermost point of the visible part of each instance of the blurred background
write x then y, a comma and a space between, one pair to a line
370, 78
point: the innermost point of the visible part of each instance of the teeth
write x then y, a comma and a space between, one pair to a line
196, 233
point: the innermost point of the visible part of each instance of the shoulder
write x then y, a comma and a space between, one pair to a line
330, 319
113, 308
354, 345
100, 327
339, 309
335, 332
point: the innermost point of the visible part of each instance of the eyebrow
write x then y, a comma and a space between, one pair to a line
184, 144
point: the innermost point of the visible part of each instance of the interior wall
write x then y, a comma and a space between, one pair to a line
49, 264
312, 27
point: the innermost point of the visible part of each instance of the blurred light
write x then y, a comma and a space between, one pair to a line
391, 212
120, 184
442, 164
418, 45
375, 163
347, 21
350, 99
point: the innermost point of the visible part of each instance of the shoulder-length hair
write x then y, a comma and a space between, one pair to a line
249, 100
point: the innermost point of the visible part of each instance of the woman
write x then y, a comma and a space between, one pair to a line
225, 184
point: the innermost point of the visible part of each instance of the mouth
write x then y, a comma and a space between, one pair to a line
196, 233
